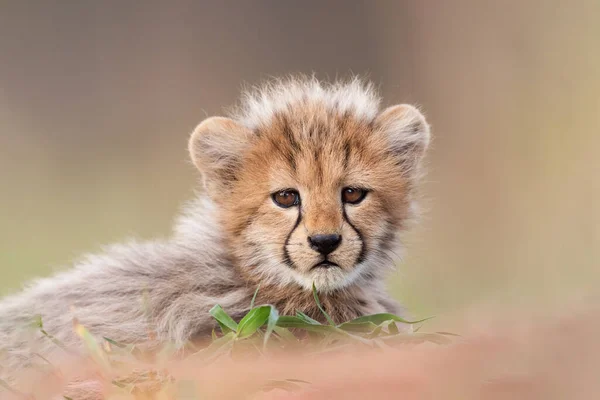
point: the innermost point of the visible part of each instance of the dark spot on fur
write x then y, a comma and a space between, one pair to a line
295, 146
362, 302
291, 159
347, 150
340, 124
318, 165
287, 132
284, 151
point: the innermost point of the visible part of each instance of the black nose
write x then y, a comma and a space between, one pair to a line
324, 244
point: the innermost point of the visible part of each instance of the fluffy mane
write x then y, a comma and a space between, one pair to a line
259, 104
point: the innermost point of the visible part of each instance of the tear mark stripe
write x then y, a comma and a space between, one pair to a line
363, 247
286, 255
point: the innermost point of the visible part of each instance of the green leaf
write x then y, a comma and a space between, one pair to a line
437, 338
37, 321
226, 323
271, 323
306, 318
216, 347
252, 321
224, 329
448, 334
364, 327
316, 296
375, 333
378, 319
120, 384
286, 321
393, 328
115, 343
93, 348
254, 297
284, 333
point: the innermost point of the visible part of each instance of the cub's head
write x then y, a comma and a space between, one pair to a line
313, 181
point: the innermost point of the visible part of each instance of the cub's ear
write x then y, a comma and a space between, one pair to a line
216, 148
408, 133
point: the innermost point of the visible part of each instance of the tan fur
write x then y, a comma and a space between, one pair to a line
296, 134
316, 147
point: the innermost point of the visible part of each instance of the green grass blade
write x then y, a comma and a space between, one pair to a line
93, 348
271, 324
252, 321
286, 321
316, 296
378, 319
363, 327
448, 334
375, 333
437, 338
115, 343
306, 318
215, 346
39, 324
224, 329
392, 328
284, 333
54, 340
254, 297
226, 323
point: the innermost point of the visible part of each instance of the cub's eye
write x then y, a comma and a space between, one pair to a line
286, 198
353, 195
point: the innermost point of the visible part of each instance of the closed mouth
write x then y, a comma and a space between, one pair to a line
326, 265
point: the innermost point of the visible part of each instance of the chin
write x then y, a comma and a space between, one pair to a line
325, 279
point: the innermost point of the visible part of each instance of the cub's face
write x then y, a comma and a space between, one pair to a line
312, 195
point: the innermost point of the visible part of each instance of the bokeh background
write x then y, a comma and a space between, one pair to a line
97, 100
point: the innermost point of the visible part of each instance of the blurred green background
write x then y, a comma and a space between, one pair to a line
97, 100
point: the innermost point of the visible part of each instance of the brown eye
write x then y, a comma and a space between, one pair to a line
353, 195
286, 198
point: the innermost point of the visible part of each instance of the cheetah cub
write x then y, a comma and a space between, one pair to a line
304, 182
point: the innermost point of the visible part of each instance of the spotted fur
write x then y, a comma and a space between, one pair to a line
296, 133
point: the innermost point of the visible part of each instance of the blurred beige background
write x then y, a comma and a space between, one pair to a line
97, 100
